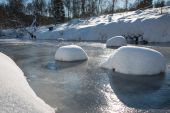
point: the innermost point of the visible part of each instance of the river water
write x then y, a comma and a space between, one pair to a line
84, 87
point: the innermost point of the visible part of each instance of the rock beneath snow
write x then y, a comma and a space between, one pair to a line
16, 95
138, 11
116, 41
70, 53
136, 61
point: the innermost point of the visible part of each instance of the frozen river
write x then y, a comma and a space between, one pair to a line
83, 87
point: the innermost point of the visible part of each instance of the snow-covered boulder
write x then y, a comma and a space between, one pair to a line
16, 96
116, 41
136, 61
70, 53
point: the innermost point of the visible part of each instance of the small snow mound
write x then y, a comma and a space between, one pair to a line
136, 61
60, 39
70, 53
116, 41
16, 95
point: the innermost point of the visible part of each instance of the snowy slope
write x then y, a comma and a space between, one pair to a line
16, 96
154, 27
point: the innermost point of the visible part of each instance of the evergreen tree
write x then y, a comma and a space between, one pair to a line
2, 11
67, 4
15, 6
58, 11
39, 6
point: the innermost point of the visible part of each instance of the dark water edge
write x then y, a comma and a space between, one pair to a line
84, 87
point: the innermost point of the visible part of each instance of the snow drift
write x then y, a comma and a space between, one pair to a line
136, 61
153, 26
16, 95
70, 53
116, 41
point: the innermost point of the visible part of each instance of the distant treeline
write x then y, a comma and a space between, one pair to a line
18, 13
22, 20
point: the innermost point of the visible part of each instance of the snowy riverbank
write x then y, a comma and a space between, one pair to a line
153, 26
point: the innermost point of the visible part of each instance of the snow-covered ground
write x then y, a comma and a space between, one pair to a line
154, 27
16, 95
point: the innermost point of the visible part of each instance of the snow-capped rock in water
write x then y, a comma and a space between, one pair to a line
70, 53
116, 41
16, 95
136, 61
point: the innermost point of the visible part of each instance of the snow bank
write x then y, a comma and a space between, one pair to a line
136, 61
70, 53
116, 41
153, 26
16, 96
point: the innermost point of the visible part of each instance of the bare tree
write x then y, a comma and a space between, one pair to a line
126, 5
83, 7
67, 4
29, 8
113, 5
